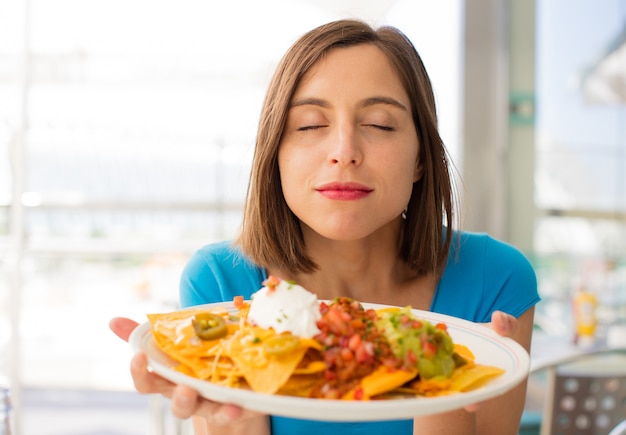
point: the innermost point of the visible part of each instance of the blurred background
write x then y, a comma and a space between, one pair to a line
126, 132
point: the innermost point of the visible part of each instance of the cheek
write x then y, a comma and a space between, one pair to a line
295, 162
290, 176
404, 175
403, 166
286, 164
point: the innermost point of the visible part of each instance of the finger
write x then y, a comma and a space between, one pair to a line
146, 381
122, 327
504, 324
473, 407
186, 402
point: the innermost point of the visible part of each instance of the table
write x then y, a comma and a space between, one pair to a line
549, 351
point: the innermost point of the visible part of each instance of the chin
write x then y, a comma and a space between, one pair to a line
344, 235
344, 230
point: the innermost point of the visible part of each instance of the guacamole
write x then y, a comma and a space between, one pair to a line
419, 343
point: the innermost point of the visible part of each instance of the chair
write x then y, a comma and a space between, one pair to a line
620, 429
586, 396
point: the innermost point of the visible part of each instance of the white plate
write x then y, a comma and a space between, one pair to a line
488, 347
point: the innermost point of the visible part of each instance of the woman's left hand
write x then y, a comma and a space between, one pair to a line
505, 325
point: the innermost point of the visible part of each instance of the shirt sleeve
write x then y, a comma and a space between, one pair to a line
217, 273
509, 279
484, 275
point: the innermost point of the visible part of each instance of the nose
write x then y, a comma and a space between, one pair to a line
345, 149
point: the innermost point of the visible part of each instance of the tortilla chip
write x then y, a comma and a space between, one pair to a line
174, 335
299, 385
464, 351
430, 387
471, 377
310, 368
264, 373
380, 381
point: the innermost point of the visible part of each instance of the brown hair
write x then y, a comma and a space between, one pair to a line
271, 234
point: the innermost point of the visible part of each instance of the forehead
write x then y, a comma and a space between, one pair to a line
355, 70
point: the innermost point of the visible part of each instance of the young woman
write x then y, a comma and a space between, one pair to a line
350, 195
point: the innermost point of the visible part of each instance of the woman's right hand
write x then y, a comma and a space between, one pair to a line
185, 401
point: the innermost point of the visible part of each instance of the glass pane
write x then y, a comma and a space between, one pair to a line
580, 178
580, 136
580, 235
69, 301
580, 142
137, 148
6, 327
9, 128
130, 227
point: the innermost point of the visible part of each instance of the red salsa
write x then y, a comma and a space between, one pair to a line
352, 347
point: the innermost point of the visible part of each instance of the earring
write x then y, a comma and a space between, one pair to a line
404, 214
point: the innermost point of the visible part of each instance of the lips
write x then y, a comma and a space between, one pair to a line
344, 191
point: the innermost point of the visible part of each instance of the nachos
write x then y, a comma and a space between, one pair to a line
345, 351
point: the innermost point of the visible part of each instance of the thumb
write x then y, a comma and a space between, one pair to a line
504, 324
122, 327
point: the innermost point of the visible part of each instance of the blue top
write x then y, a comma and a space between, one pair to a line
482, 275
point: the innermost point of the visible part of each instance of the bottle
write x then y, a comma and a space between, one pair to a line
585, 304
5, 410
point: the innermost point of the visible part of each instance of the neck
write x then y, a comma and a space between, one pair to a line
369, 270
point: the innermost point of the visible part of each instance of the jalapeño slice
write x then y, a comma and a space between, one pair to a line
209, 326
281, 344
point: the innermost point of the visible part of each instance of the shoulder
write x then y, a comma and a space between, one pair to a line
221, 253
218, 272
469, 248
484, 274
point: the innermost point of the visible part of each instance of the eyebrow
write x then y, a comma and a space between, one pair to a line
371, 101
383, 100
310, 102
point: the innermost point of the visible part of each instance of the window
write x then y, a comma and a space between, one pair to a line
126, 133
580, 237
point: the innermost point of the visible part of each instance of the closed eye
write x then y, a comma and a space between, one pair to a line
310, 127
381, 127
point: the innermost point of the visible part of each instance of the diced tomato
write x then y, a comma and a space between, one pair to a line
238, 301
362, 355
271, 282
346, 354
442, 326
359, 394
411, 357
357, 323
429, 350
416, 324
346, 317
335, 321
354, 342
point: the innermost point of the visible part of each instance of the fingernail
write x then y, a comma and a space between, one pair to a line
221, 418
508, 323
183, 401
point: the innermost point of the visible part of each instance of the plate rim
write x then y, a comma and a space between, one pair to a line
343, 410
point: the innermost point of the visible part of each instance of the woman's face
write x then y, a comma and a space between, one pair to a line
348, 157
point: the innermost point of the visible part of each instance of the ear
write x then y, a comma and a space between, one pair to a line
418, 172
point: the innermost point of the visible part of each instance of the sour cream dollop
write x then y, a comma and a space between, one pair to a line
285, 307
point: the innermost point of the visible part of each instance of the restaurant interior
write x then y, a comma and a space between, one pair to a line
126, 136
